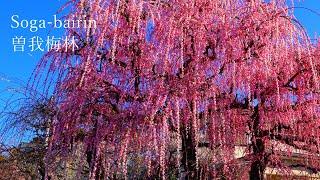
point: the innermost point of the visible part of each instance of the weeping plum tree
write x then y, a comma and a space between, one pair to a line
157, 82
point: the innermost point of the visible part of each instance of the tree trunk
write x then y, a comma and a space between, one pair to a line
260, 160
188, 160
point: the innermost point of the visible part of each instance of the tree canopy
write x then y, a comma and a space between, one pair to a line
157, 82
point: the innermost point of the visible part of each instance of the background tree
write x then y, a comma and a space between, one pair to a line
24, 161
160, 75
24, 126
